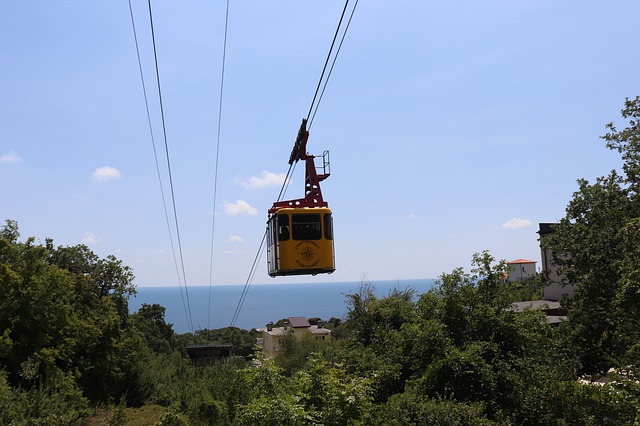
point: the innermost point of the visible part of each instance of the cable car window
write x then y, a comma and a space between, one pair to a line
328, 227
306, 227
283, 227
271, 230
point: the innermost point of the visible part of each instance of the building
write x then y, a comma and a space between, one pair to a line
556, 289
209, 354
272, 339
521, 270
552, 309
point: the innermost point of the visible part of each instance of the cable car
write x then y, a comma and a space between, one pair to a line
300, 232
300, 242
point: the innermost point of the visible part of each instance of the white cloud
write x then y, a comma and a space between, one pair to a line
90, 238
106, 174
160, 252
413, 216
240, 207
236, 239
516, 223
265, 180
11, 157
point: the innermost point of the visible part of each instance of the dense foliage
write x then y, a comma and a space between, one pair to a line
458, 354
597, 244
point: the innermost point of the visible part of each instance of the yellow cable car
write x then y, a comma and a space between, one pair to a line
300, 232
300, 242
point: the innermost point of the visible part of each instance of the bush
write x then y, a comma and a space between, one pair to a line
409, 408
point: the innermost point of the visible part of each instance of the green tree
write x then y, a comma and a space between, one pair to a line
370, 319
52, 313
150, 325
9, 232
486, 352
331, 395
596, 246
36, 309
411, 408
96, 278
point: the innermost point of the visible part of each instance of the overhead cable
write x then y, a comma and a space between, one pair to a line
329, 55
335, 57
155, 155
166, 147
215, 179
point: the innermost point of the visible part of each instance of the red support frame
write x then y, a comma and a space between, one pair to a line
313, 193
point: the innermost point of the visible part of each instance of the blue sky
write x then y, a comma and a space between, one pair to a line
453, 127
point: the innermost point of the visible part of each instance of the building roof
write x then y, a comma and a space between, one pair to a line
553, 310
521, 261
275, 331
299, 322
211, 346
314, 329
535, 304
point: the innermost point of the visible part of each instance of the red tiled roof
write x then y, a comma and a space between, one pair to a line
521, 261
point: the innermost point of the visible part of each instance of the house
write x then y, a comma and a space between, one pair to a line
272, 339
556, 289
209, 354
521, 270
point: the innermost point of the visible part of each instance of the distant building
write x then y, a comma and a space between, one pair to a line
209, 354
555, 290
552, 309
521, 270
272, 339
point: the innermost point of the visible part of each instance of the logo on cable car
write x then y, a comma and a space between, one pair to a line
307, 253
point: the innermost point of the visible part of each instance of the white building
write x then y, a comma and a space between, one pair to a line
521, 270
555, 290
272, 339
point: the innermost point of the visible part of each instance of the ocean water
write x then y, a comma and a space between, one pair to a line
263, 302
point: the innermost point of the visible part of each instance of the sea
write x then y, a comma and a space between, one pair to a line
212, 307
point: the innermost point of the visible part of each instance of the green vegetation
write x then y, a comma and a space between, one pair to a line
70, 353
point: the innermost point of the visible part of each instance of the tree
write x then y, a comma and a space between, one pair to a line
596, 247
54, 311
96, 277
9, 231
149, 322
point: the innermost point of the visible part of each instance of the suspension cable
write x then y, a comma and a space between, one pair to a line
215, 179
326, 62
166, 146
155, 155
335, 57
245, 289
